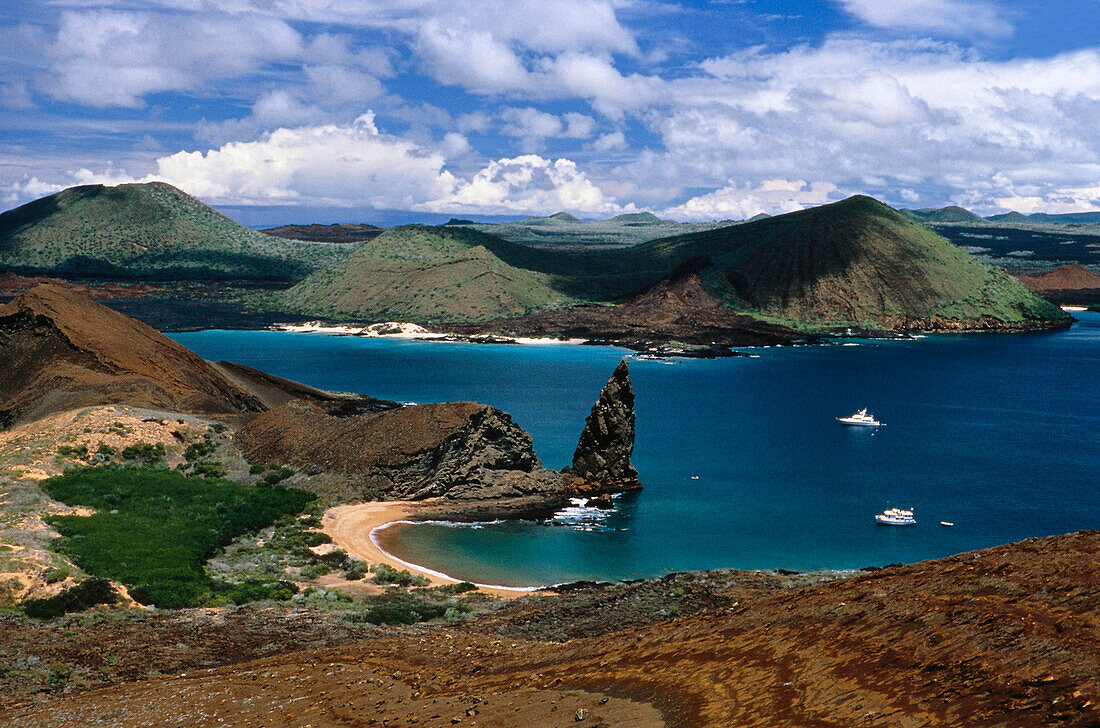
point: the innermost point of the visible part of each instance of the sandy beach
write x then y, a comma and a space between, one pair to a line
351, 528
413, 332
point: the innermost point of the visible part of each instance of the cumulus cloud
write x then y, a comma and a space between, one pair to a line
881, 117
954, 18
533, 126
356, 165
527, 184
329, 165
742, 201
110, 58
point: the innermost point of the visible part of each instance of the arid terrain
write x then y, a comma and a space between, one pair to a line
1001, 637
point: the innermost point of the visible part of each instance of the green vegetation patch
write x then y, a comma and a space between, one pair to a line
86, 594
154, 529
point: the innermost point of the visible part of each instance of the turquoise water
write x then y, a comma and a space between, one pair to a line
996, 433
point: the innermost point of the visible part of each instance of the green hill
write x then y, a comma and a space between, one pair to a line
558, 218
855, 262
150, 231
420, 273
951, 213
852, 262
636, 218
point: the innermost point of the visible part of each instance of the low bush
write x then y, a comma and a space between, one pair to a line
356, 570
276, 476
255, 590
312, 571
386, 574
86, 594
75, 451
144, 453
400, 607
154, 529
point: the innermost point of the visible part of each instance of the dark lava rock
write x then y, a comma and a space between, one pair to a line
459, 450
602, 457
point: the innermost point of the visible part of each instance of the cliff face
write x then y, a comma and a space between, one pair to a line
459, 450
602, 457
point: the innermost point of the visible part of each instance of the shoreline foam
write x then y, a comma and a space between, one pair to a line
414, 332
353, 527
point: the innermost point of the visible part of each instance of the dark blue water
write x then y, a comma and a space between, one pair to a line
996, 433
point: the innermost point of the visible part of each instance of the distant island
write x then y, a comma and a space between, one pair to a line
855, 266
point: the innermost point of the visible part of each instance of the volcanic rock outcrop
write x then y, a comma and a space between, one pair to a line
602, 458
459, 450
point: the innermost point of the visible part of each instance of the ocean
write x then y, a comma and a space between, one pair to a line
742, 462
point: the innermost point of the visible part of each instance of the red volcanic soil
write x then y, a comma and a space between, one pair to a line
1072, 277
1008, 636
13, 282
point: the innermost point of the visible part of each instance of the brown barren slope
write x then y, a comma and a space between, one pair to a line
1008, 636
1072, 277
59, 350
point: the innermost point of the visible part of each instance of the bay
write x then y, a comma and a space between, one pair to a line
742, 461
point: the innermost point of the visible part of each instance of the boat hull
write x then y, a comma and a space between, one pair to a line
886, 521
851, 423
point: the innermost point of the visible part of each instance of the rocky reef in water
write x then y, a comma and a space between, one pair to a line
601, 462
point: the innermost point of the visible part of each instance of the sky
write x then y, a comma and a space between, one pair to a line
397, 110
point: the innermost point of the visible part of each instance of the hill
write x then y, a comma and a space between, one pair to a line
335, 233
636, 218
1012, 216
1072, 277
951, 213
60, 351
852, 263
558, 218
425, 274
146, 231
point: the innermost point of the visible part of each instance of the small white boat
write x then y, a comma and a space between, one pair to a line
859, 419
896, 517
946, 523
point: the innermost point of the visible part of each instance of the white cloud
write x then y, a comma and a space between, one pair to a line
474, 59
742, 201
528, 184
106, 58
27, 188
954, 18
533, 126
614, 141
880, 117
324, 165
356, 165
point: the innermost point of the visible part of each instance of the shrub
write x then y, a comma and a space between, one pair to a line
105, 452
386, 574
255, 590
276, 476
126, 540
198, 450
315, 570
356, 570
208, 469
460, 588
398, 607
61, 573
78, 451
144, 453
255, 469
84, 595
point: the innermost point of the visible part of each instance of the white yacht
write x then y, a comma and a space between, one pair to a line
859, 419
896, 517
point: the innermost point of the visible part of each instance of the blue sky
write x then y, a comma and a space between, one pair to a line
389, 110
